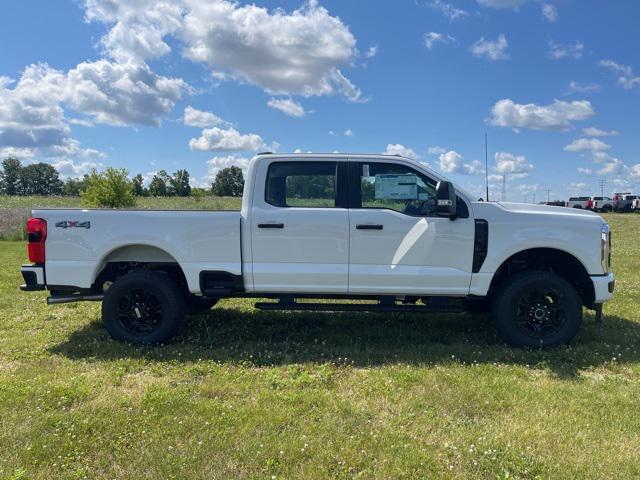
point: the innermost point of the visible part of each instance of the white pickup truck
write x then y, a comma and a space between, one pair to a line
384, 229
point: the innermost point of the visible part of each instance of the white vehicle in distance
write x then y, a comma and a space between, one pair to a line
579, 202
601, 204
380, 228
623, 202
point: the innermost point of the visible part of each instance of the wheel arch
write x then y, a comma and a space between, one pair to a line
129, 257
555, 260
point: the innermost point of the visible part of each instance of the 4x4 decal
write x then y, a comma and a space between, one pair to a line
73, 224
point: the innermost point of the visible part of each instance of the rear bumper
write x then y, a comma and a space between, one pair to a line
603, 286
33, 276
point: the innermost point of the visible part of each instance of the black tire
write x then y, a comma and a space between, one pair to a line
537, 309
143, 307
198, 305
606, 209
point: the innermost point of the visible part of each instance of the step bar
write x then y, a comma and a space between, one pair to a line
381, 306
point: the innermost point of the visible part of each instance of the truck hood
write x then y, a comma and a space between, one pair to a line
547, 210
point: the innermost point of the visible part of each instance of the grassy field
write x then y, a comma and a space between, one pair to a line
249, 394
15, 210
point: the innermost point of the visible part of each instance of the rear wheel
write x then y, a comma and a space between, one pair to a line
143, 307
537, 309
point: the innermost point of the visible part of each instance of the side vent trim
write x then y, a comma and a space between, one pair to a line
480, 244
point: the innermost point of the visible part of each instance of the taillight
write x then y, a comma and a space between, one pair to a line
37, 235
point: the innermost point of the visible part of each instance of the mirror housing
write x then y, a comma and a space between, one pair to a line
446, 200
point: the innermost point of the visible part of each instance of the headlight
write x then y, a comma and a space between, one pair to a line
605, 248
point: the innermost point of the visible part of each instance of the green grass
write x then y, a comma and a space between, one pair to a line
15, 210
208, 202
249, 394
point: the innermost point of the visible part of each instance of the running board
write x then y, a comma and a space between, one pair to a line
357, 307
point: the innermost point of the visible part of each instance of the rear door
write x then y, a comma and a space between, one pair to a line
300, 227
397, 243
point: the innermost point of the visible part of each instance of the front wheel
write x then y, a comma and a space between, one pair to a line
143, 307
537, 309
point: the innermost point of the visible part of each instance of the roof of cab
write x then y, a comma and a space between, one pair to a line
314, 155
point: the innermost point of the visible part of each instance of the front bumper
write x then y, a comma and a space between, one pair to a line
33, 276
603, 286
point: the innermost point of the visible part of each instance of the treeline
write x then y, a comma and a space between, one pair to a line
44, 179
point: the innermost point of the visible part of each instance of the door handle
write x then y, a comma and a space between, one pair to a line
271, 225
369, 226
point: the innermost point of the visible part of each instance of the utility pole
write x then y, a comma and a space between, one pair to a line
534, 198
486, 165
603, 182
548, 195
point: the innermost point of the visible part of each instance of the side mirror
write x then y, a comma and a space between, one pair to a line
446, 200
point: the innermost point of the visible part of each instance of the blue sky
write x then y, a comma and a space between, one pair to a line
203, 84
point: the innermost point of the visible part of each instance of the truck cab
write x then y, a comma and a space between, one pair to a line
383, 229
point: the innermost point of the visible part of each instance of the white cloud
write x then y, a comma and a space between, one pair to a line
578, 185
558, 51
576, 87
287, 106
436, 150
218, 139
513, 4
199, 118
556, 116
137, 28
68, 168
549, 12
70, 147
615, 167
635, 171
30, 113
431, 38
587, 145
218, 163
448, 10
122, 94
514, 166
491, 49
596, 132
399, 149
19, 153
586, 171
450, 162
348, 133
372, 52
626, 77
289, 54
473, 168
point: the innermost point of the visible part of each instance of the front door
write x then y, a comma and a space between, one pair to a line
300, 229
397, 243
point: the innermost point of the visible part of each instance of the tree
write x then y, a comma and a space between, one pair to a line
138, 186
111, 188
40, 179
158, 185
10, 176
229, 182
180, 184
74, 186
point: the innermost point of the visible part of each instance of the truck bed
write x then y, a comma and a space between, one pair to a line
81, 242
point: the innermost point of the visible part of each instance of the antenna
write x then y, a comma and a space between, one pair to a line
486, 165
504, 187
548, 195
